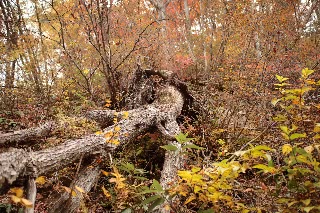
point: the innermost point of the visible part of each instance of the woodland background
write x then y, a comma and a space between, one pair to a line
60, 58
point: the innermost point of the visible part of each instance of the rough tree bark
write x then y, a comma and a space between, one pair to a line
28, 134
169, 99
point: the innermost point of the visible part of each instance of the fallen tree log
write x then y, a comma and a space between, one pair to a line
28, 134
167, 103
18, 162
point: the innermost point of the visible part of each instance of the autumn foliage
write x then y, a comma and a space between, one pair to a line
251, 65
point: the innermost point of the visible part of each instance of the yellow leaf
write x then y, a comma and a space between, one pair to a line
17, 191
197, 189
117, 128
86, 71
317, 136
74, 194
125, 115
26, 203
105, 173
79, 189
99, 133
306, 72
15, 199
306, 202
115, 141
167, 207
191, 198
108, 103
108, 135
41, 180
286, 149
317, 126
105, 192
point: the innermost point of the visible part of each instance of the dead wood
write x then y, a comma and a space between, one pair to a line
28, 134
31, 194
70, 203
149, 104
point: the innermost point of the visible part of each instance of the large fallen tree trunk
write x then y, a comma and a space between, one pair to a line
17, 162
167, 105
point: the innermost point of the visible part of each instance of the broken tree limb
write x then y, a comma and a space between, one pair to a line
31, 194
85, 181
17, 162
150, 105
27, 134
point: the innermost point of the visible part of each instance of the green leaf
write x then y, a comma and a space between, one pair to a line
192, 146
139, 171
148, 191
130, 166
301, 151
123, 168
297, 135
150, 199
270, 161
127, 167
182, 138
169, 147
156, 185
156, 203
140, 178
128, 210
